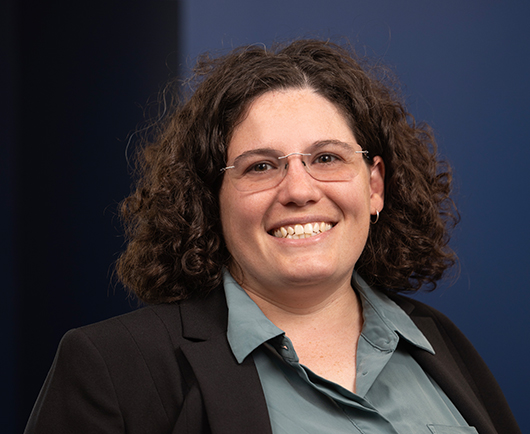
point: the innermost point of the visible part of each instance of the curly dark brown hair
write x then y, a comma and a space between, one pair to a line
175, 245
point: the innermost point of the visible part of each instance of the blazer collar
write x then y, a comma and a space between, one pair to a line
204, 317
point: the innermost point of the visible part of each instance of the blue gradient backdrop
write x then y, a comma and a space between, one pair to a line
78, 76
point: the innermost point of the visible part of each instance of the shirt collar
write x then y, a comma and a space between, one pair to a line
384, 320
248, 327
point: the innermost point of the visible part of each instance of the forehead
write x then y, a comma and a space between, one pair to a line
288, 121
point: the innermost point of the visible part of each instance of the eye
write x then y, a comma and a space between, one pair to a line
326, 159
261, 167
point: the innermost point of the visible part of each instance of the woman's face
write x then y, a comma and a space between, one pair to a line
296, 120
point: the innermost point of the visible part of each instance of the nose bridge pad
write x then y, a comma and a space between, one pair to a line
305, 166
286, 166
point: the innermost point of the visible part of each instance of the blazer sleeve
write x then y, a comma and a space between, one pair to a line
78, 395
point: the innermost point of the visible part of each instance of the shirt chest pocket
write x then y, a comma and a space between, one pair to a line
446, 429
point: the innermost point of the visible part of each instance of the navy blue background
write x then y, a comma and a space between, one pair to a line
76, 81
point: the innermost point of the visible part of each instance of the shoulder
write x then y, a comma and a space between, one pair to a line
128, 370
134, 333
439, 329
459, 369
441, 332
454, 352
126, 364
146, 320
423, 314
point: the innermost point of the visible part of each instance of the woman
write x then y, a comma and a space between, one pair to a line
278, 213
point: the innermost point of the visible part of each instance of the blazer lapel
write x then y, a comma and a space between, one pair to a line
232, 393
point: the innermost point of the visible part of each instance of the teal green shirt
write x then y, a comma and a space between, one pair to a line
393, 393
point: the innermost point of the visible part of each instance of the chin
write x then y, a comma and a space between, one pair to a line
308, 274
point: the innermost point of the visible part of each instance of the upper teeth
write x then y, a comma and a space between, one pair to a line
301, 231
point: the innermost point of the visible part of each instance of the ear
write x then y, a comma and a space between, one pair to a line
377, 185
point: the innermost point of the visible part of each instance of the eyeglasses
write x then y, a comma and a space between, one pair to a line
260, 169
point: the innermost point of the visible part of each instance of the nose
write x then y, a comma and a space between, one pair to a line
298, 186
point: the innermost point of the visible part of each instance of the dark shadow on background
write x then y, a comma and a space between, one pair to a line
79, 74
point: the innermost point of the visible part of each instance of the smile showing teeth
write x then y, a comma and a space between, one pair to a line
301, 231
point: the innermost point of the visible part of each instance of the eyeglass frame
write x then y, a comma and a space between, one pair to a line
364, 152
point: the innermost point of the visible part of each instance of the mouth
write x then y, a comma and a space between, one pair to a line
298, 231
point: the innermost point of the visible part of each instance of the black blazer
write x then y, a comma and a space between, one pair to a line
169, 369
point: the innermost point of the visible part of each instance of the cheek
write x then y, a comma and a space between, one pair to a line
227, 211
353, 198
241, 216
355, 206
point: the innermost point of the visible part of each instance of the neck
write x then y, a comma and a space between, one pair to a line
298, 308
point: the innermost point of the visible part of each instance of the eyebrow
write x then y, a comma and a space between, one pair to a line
321, 143
258, 151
